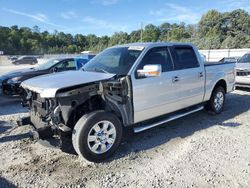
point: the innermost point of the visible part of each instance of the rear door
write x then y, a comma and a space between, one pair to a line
189, 77
25, 60
154, 96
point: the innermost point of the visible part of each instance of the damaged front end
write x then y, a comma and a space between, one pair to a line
45, 115
54, 117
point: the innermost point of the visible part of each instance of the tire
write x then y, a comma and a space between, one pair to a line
217, 100
93, 145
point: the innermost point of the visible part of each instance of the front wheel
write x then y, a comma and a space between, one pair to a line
217, 100
97, 135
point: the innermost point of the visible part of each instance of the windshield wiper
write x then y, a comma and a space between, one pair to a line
100, 70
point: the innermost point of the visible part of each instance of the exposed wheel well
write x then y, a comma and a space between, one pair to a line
92, 104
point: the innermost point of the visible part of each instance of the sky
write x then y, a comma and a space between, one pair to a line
104, 17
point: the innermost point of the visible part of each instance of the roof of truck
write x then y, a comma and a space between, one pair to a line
151, 44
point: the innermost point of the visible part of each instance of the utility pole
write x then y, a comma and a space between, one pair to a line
141, 31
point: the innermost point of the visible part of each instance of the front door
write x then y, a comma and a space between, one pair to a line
154, 96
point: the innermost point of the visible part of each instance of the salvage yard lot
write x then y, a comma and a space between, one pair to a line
200, 150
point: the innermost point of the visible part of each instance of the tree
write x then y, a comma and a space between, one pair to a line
164, 31
135, 36
210, 24
119, 38
214, 30
81, 42
151, 33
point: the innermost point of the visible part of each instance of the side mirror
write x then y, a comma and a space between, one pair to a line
149, 71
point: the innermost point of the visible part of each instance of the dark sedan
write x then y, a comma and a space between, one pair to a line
10, 82
25, 60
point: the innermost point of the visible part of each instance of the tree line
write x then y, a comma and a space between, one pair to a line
215, 30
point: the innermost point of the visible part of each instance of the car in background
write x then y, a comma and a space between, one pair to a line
25, 60
12, 58
228, 60
10, 82
243, 71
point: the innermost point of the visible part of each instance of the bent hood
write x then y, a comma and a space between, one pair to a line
48, 85
243, 66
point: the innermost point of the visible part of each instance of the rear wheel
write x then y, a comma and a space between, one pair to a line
97, 135
217, 100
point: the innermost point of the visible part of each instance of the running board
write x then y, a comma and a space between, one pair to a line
170, 118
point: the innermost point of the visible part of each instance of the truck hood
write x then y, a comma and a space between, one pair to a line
243, 66
48, 85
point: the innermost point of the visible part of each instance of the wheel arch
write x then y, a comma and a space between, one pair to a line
93, 103
221, 83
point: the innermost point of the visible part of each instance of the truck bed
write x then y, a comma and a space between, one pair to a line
216, 70
211, 63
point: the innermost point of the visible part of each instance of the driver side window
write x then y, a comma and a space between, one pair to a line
158, 55
66, 65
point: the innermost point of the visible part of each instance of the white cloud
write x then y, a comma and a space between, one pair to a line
105, 2
103, 24
177, 13
69, 15
38, 17
229, 5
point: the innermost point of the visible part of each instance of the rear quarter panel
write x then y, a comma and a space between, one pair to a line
215, 73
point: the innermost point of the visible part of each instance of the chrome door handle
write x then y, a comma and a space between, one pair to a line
175, 79
201, 74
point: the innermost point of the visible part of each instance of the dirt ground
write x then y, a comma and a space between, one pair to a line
200, 150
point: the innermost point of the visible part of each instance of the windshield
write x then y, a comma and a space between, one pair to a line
48, 64
114, 60
245, 59
21, 57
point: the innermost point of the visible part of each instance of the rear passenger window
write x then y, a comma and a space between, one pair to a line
185, 58
158, 55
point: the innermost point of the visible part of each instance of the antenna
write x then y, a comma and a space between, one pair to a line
141, 31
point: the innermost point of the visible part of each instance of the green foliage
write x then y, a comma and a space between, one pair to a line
214, 30
151, 33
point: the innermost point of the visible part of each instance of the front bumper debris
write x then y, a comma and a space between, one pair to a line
47, 136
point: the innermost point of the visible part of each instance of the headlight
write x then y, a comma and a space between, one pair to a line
14, 80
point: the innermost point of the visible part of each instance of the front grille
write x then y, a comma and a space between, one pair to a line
243, 73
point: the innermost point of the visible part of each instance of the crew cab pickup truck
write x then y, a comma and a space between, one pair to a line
139, 85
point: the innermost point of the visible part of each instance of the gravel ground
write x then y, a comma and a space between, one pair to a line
200, 150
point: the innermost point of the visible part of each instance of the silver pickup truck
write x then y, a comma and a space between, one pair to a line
139, 85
